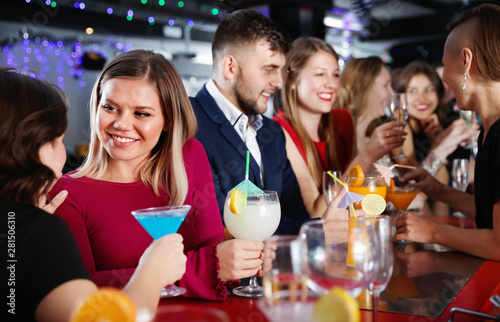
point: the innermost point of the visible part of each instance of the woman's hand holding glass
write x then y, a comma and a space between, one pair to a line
164, 260
384, 139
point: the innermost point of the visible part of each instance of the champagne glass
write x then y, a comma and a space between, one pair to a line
399, 109
469, 118
382, 226
339, 252
257, 221
160, 221
460, 174
331, 187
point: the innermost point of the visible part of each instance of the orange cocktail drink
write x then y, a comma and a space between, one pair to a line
367, 184
401, 199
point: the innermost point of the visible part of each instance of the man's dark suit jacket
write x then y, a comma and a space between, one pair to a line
226, 153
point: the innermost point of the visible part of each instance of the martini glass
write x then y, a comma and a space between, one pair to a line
339, 252
401, 197
160, 221
399, 109
256, 221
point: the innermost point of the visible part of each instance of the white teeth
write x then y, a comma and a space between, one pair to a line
266, 94
325, 96
123, 140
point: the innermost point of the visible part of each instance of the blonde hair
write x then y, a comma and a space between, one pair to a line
302, 50
165, 167
356, 82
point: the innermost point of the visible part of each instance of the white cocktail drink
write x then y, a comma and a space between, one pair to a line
256, 222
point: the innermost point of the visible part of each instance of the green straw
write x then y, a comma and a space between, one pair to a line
346, 188
247, 169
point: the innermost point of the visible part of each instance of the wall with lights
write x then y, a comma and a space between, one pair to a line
56, 54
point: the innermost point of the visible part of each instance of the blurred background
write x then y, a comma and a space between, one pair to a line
68, 42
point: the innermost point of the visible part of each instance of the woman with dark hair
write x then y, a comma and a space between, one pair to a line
426, 107
39, 249
429, 143
472, 71
142, 154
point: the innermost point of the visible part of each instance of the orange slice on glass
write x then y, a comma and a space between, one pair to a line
392, 187
107, 304
357, 176
238, 201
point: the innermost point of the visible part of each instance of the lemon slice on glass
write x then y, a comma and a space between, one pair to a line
238, 201
373, 204
336, 306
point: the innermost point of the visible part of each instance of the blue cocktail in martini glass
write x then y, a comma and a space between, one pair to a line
161, 221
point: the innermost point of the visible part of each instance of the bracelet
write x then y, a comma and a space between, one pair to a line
432, 164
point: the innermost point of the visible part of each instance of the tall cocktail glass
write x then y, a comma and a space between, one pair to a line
257, 221
160, 221
367, 184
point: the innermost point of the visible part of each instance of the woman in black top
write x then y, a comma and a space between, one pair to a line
472, 71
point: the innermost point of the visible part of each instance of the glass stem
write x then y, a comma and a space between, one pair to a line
252, 284
374, 307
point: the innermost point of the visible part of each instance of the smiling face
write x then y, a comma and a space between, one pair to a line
130, 120
422, 97
318, 83
258, 77
380, 94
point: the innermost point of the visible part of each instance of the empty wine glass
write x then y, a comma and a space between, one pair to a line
382, 227
399, 110
339, 253
460, 174
331, 187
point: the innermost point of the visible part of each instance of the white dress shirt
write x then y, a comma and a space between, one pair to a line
240, 122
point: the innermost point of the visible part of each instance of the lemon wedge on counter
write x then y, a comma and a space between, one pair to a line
336, 306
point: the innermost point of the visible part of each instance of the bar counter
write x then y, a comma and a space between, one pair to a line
428, 281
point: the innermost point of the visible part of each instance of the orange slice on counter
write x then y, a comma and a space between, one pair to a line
107, 304
357, 176
238, 201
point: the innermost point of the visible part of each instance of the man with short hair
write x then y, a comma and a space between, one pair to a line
248, 53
